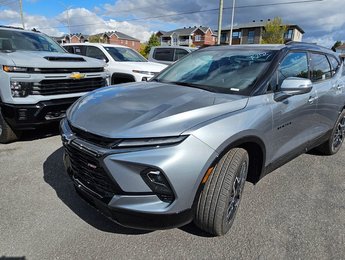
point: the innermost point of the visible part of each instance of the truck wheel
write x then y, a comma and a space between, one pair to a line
337, 138
6, 133
220, 198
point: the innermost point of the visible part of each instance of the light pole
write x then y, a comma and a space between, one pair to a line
232, 21
21, 13
220, 20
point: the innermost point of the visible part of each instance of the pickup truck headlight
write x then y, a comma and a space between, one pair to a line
157, 141
20, 89
144, 72
14, 69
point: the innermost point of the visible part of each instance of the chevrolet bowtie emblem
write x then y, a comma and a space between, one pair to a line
77, 75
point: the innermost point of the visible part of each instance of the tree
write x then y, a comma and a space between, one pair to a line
153, 41
274, 32
96, 38
336, 45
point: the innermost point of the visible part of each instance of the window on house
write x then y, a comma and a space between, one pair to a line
133, 44
288, 34
223, 37
126, 42
295, 64
198, 38
251, 35
320, 67
236, 35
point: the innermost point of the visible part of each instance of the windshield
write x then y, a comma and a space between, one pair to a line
124, 54
27, 41
219, 70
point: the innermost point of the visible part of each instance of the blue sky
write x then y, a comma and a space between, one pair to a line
322, 20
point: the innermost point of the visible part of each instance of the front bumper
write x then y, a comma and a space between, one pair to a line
26, 117
111, 180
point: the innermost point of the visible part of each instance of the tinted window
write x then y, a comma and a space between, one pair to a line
334, 63
295, 64
124, 54
94, 52
27, 41
219, 70
75, 49
320, 69
179, 53
166, 54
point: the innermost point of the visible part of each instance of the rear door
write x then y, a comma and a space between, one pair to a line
294, 117
329, 90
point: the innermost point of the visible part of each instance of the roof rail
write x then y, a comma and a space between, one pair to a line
295, 42
11, 27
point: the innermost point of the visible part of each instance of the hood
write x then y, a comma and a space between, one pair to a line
150, 109
36, 59
143, 66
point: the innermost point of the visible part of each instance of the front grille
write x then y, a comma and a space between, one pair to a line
67, 86
87, 170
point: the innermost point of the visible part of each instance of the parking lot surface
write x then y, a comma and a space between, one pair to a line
296, 212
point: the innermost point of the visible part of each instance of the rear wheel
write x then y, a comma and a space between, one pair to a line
333, 144
6, 133
221, 196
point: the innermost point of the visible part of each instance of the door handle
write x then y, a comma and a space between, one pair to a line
312, 99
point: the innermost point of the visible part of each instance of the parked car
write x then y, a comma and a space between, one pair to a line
39, 80
182, 147
168, 54
123, 63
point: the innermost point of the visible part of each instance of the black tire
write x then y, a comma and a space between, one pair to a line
6, 133
219, 200
333, 144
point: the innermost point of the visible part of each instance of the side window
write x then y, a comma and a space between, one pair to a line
96, 53
77, 50
295, 64
166, 54
334, 64
179, 53
320, 69
69, 49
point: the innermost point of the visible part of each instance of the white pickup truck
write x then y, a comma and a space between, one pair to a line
39, 80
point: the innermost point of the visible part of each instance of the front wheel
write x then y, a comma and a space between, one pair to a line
333, 144
221, 196
6, 133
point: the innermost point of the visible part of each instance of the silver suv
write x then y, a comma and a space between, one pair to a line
39, 80
181, 147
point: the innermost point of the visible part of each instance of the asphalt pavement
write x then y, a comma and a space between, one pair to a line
296, 212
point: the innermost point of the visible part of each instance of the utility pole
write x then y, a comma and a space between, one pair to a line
21, 12
220, 17
67, 8
232, 21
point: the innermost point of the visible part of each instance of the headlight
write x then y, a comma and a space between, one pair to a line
20, 89
144, 72
157, 141
14, 69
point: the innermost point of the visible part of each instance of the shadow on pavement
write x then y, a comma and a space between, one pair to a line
56, 176
40, 133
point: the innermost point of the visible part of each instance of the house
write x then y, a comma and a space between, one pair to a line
113, 37
251, 33
119, 38
71, 38
188, 36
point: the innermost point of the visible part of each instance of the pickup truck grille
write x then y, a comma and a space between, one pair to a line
88, 171
67, 86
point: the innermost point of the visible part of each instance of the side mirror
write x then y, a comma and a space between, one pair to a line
293, 86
